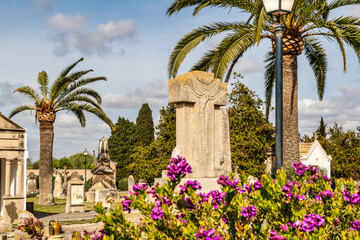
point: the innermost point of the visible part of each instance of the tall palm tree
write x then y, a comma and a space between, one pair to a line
68, 92
308, 23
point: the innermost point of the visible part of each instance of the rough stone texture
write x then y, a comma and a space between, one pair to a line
57, 187
202, 126
290, 110
75, 201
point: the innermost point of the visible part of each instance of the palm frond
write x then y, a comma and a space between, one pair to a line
230, 47
75, 98
316, 56
29, 92
21, 108
191, 40
43, 80
205, 62
65, 72
232, 65
79, 114
81, 82
342, 3
269, 79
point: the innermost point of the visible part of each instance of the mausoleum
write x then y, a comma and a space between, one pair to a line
12, 168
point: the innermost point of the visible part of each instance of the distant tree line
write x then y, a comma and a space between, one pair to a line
76, 161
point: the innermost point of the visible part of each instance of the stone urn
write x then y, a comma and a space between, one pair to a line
57, 228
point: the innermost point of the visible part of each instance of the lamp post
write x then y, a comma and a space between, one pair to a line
85, 154
277, 8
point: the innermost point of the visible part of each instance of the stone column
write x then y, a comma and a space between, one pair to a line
20, 178
7, 177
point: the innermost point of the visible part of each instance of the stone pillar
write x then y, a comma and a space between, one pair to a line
20, 178
7, 177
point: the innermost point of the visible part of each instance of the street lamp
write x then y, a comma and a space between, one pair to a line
85, 154
277, 8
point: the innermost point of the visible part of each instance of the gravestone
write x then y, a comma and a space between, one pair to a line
57, 185
202, 125
104, 175
131, 182
31, 183
75, 201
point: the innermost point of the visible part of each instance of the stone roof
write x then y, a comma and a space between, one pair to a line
304, 148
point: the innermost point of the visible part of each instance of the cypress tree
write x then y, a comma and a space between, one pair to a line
145, 126
121, 143
321, 131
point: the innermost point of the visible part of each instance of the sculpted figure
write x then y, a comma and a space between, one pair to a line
103, 159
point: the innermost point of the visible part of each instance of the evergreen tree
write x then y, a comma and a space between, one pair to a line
321, 131
145, 125
250, 133
150, 161
121, 143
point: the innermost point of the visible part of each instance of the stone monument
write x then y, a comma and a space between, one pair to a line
75, 201
131, 183
104, 176
57, 186
65, 183
31, 183
202, 126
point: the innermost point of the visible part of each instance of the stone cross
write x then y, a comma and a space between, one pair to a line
202, 125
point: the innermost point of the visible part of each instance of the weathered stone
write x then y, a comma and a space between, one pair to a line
75, 201
31, 184
202, 126
131, 182
57, 185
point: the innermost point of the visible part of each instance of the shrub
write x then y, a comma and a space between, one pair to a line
123, 184
305, 208
35, 228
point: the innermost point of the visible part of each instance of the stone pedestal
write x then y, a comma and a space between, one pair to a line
75, 201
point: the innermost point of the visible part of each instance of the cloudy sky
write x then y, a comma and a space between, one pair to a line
130, 42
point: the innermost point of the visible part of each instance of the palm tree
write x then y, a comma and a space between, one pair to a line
308, 23
68, 92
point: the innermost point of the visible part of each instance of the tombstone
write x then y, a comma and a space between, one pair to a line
31, 183
57, 185
104, 175
202, 125
75, 201
131, 183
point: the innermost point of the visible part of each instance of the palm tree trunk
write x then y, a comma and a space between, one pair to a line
290, 109
46, 169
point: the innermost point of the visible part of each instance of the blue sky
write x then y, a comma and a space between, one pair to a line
130, 42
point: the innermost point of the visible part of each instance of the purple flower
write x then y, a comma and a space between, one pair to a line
300, 198
296, 224
326, 178
284, 227
126, 204
217, 197
177, 167
227, 181
355, 225
287, 189
257, 184
275, 236
299, 168
354, 198
248, 212
207, 235
194, 184
327, 194
137, 188
310, 222
157, 213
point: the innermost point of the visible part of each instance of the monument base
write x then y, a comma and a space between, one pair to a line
5, 227
102, 195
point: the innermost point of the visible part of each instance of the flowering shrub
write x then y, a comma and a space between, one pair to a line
35, 228
308, 207
85, 235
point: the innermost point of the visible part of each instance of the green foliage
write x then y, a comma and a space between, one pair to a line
35, 228
63, 162
88, 184
240, 210
149, 161
145, 126
321, 131
121, 144
343, 147
123, 184
250, 133
78, 161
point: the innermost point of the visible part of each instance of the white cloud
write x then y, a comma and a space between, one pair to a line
69, 34
7, 96
65, 23
249, 65
155, 95
343, 109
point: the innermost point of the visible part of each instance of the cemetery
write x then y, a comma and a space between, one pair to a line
213, 166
